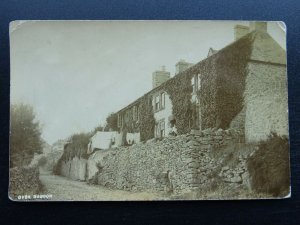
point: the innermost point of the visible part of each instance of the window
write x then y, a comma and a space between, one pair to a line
159, 101
193, 84
156, 130
196, 82
162, 128
150, 100
137, 113
163, 100
134, 113
120, 120
199, 82
156, 102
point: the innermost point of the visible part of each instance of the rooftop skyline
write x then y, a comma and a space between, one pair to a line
74, 73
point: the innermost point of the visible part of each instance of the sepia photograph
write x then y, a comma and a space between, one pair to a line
139, 110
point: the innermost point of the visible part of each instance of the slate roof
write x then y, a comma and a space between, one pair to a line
262, 47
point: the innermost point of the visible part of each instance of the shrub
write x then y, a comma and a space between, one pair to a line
25, 135
269, 167
24, 181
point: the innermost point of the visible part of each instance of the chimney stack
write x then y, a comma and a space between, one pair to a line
258, 26
240, 31
160, 76
182, 65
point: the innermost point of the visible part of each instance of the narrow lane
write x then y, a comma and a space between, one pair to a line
64, 189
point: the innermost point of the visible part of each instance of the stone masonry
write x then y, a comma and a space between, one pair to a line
174, 164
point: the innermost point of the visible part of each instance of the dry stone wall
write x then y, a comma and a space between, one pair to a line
174, 164
74, 168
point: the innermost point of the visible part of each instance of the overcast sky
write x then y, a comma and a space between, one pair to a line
74, 73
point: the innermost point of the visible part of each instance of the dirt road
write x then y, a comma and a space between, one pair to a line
62, 188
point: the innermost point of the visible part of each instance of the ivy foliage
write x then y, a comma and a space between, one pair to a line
231, 67
112, 122
146, 117
220, 94
77, 146
269, 167
179, 89
223, 83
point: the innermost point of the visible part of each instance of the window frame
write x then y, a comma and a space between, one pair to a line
162, 100
199, 81
157, 104
162, 128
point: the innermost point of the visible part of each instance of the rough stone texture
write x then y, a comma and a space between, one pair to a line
24, 181
266, 49
74, 168
236, 174
94, 163
175, 164
238, 123
266, 102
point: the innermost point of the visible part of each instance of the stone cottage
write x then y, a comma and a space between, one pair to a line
242, 86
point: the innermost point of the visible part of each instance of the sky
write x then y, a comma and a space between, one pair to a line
75, 73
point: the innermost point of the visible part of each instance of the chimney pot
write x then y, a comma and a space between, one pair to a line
258, 26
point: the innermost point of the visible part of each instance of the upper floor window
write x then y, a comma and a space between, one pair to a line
162, 97
150, 100
199, 82
135, 113
159, 101
156, 104
120, 120
196, 83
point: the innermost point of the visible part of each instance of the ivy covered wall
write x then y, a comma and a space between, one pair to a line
231, 69
146, 116
220, 93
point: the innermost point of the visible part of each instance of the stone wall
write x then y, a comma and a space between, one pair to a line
74, 169
174, 164
193, 161
94, 162
266, 102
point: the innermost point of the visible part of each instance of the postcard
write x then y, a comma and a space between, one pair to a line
148, 110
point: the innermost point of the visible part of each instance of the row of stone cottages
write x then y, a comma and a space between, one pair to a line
242, 86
